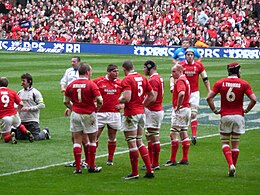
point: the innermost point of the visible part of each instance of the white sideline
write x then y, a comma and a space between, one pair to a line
99, 156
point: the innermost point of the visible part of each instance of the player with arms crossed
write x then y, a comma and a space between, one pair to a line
109, 114
135, 87
154, 113
193, 69
232, 123
8, 114
180, 116
80, 96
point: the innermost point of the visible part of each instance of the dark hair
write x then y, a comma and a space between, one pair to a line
128, 65
83, 68
77, 57
28, 77
3, 82
111, 67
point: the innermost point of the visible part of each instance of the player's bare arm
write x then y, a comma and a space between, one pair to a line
150, 98
211, 104
252, 103
125, 97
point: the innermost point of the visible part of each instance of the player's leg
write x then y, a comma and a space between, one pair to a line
111, 144
77, 150
20, 127
140, 118
5, 129
185, 146
174, 134
130, 137
235, 139
194, 102
154, 138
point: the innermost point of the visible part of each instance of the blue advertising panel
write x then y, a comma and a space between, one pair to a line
60, 47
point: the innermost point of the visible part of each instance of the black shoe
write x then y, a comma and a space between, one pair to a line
84, 165
183, 162
194, 140
130, 176
71, 164
149, 175
155, 168
30, 136
94, 170
169, 163
232, 171
109, 162
47, 133
77, 172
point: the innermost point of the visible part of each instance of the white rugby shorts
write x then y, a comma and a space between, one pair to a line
7, 122
195, 101
131, 123
113, 119
153, 119
232, 123
83, 122
181, 119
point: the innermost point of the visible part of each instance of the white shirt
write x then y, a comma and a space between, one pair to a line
70, 75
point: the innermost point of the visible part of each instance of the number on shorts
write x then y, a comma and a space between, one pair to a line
231, 96
5, 99
79, 95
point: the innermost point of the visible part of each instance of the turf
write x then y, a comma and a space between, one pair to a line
38, 168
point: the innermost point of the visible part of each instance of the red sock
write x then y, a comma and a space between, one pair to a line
185, 149
175, 146
194, 126
235, 153
92, 154
228, 154
145, 156
133, 154
77, 150
7, 137
156, 153
86, 146
22, 129
111, 146
150, 151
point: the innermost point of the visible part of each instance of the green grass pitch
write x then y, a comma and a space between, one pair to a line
38, 168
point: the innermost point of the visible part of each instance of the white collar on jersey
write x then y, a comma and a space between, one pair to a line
188, 62
233, 76
156, 73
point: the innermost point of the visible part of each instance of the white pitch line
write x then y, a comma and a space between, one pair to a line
99, 156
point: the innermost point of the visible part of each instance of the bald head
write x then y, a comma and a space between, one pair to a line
177, 71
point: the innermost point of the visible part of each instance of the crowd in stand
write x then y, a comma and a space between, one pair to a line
220, 23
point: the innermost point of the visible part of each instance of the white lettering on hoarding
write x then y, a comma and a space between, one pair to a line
72, 48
